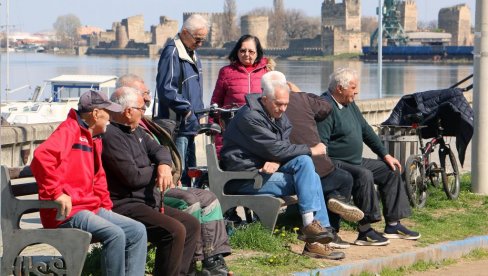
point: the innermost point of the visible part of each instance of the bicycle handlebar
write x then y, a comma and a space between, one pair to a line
215, 109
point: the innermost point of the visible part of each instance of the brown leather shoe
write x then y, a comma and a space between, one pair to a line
314, 232
322, 251
346, 211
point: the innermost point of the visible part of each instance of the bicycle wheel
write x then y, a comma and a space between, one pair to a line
434, 175
450, 173
415, 181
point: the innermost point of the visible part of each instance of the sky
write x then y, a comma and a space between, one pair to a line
37, 15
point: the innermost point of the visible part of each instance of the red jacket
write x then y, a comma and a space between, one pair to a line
69, 162
234, 83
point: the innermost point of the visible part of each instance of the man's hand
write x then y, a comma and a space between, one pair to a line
392, 162
164, 179
65, 201
270, 167
319, 149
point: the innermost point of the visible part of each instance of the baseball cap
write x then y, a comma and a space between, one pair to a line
93, 99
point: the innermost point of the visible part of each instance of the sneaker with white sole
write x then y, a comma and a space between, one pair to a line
372, 238
399, 231
338, 243
346, 211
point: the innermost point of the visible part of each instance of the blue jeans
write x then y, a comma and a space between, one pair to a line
124, 240
186, 148
296, 176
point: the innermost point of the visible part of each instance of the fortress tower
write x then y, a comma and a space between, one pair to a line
341, 27
257, 26
456, 20
408, 15
346, 15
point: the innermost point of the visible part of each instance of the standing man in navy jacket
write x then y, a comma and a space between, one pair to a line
179, 85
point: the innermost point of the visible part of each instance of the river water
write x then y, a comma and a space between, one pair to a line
311, 76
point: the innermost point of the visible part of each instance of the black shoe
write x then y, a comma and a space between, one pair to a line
214, 265
338, 243
399, 231
232, 215
371, 237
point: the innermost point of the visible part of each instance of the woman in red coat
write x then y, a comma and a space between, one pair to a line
241, 77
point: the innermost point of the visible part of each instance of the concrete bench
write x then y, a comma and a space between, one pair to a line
266, 207
72, 244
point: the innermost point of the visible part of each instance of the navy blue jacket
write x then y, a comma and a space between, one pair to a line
252, 139
449, 105
180, 86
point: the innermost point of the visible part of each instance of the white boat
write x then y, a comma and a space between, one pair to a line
64, 95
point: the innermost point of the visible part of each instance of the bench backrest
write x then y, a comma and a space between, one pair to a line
12, 209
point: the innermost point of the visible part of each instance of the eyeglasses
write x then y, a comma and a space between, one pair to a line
142, 109
197, 39
244, 51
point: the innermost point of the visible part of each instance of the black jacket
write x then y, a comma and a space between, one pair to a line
130, 159
252, 138
449, 105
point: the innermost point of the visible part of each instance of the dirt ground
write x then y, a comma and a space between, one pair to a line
471, 268
353, 253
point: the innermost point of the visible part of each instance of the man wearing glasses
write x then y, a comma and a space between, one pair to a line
180, 88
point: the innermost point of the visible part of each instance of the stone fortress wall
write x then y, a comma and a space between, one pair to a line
408, 15
340, 31
457, 21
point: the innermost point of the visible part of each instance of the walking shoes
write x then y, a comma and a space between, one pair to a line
322, 251
346, 211
314, 232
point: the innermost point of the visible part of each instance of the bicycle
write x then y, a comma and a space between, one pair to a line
221, 117
419, 167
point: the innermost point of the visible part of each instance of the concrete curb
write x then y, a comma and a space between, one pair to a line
437, 252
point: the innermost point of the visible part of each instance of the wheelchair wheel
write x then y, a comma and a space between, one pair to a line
450, 173
415, 181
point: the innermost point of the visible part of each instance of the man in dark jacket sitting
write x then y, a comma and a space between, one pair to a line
257, 138
344, 132
304, 111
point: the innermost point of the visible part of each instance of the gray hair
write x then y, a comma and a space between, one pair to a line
342, 77
127, 80
125, 96
272, 80
195, 22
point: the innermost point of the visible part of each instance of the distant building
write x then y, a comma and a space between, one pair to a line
456, 20
408, 15
341, 27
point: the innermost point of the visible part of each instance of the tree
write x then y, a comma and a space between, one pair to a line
229, 27
66, 27
298, 25
428, 25
369, 24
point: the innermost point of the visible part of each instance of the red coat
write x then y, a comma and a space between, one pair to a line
235, 82
69, 162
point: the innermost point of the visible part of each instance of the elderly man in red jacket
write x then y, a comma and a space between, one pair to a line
68, 169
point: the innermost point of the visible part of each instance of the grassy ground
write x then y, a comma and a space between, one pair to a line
258, 252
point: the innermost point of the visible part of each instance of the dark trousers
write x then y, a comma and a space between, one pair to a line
338, 182
390, 187
174, 233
